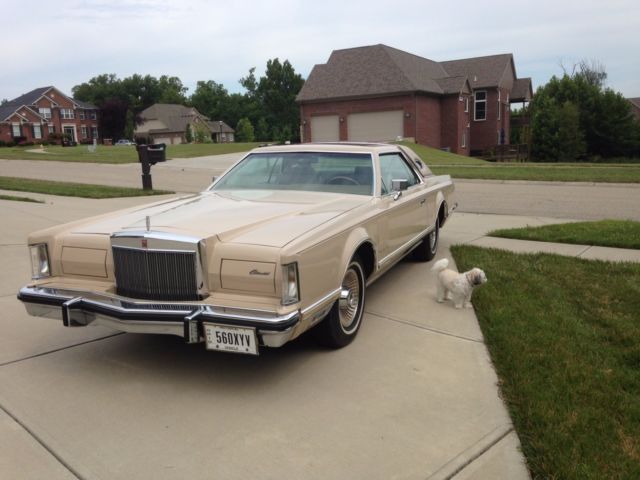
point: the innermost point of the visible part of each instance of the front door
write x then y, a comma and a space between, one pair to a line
70, 132
406, 215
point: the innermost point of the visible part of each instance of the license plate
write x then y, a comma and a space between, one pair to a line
231, 339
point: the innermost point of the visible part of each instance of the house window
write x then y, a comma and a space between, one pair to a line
15, 130
52, 129
463, 143
499, 106
45, 113
81, 115
37, 131
67, 113
480, 105
83, 131
92, 115
94, 132
466, 104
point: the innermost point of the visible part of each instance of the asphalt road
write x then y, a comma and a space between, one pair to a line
580, 201
546, 199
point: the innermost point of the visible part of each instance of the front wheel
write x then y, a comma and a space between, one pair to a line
341, 325
429, 245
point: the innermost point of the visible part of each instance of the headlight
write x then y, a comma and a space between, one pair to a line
290, 290
39, 261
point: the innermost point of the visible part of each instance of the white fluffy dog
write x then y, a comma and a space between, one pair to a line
457, 286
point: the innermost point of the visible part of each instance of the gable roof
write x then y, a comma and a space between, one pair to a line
372, 70
30, 98
214, 126
522, 90
635, 101
383, 70
482, 71
174, 117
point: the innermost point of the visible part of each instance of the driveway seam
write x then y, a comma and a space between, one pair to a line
10, 362
422, 327
44, 445
579, 255
448, 471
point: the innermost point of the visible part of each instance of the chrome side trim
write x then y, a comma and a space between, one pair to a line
406, 246
331, 297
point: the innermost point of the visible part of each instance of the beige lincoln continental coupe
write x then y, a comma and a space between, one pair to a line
287, 239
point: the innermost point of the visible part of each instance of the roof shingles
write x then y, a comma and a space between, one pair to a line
382, 70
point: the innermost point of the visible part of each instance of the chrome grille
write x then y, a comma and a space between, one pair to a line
156, 274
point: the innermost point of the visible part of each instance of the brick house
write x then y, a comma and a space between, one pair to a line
167, 123
32, 117
379, 93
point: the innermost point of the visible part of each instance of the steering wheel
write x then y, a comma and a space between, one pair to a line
342, 180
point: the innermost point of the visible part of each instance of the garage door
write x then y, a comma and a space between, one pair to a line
325, 128
375, 126
165, 140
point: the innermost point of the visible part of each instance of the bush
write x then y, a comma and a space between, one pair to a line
244, 131
2, 143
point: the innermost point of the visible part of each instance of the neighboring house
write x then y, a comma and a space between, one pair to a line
221, 132
32, 117
379, 93
635, 107
167, 123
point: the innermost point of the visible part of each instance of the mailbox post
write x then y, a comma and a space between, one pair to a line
150, 155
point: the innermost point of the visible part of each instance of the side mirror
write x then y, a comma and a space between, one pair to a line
399, 185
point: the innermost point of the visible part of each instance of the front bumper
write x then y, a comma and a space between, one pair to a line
77, 308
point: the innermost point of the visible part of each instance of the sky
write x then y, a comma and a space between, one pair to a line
68, 42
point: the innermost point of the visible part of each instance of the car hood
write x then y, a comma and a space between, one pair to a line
259, 217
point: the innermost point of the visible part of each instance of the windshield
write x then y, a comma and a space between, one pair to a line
318, 171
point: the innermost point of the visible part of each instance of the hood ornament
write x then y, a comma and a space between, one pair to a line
148, 222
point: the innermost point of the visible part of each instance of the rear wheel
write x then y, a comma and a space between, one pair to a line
429, 245
341, 325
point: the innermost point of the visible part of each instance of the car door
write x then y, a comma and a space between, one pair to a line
405, 215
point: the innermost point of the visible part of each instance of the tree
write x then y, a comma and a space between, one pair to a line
262, 131
4, 101
188, 134
244, 131
210, 99
576, 115
277, 92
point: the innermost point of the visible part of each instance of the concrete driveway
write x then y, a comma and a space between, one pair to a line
414, 396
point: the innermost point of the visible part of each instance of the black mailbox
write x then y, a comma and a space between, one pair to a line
157, 153
150, 155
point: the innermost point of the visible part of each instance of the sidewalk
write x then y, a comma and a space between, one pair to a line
588, 252
473, 229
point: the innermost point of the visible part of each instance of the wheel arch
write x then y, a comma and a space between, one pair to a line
360, 244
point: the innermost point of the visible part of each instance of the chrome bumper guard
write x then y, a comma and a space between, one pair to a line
77, 308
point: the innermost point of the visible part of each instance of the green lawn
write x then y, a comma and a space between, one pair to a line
605, 173
117, 154
437, 157
19, 199
459, 166
604, 233
69, 189
564, 336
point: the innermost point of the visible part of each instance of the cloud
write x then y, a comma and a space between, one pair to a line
68, 43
